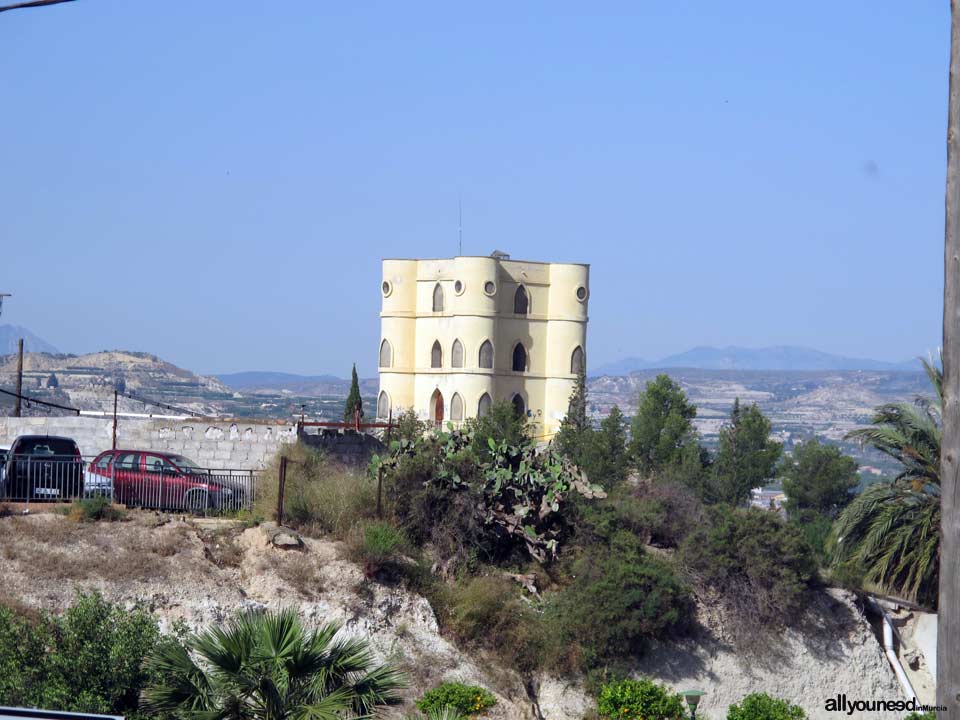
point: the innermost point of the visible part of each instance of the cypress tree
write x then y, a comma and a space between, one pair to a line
574, 428
354, 401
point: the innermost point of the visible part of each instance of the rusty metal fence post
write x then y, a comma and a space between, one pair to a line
282, 482
380, 492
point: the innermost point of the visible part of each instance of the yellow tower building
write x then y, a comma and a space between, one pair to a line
458, 334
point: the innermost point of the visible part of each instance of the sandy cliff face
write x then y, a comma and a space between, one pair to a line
200, 572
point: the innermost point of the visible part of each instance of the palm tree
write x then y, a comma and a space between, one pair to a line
891, 531
267, 666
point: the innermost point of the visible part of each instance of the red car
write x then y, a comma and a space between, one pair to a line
165, 481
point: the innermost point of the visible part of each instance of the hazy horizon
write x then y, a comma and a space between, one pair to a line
216, 184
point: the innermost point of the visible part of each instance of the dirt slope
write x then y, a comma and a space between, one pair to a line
201, 572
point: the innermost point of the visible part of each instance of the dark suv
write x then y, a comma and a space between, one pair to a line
43, 467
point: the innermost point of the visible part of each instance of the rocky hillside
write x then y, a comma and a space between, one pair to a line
201, 571
87, 381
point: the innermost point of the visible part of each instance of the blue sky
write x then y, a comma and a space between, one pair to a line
216, 182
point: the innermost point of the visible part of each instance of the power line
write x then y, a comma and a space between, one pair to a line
39, 402
32, 3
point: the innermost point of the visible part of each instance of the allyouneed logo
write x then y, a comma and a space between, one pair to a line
841, 704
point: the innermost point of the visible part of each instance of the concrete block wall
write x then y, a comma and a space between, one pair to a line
240, 445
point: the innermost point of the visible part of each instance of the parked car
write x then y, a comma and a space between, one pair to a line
4, 450
43, 467
164, 481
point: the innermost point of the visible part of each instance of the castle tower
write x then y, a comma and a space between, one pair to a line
458, 334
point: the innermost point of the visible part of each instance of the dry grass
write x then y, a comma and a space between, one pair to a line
299, 571
220, 547
321, 496
56, 548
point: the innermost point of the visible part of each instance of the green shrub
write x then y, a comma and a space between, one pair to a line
320, 496
760, 566
814, 528
487, 612
638, 700
381, 544
93, 509
620, 599
928, 715
466, 699
760, 706
503, 505
89, 660
660, 514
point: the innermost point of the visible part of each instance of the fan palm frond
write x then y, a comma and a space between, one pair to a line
891, 531
267, 666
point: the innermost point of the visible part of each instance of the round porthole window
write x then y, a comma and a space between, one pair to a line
581, 293
387, 288
489, 288
458, 287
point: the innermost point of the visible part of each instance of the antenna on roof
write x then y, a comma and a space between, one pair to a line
2, 296
460, 226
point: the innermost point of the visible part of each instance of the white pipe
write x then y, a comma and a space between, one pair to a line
891, 652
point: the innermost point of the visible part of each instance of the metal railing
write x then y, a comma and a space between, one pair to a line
51, 478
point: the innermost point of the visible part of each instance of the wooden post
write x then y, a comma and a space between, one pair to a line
380, 492
389, 425
948, 609
282, 484
17, 406
114, 418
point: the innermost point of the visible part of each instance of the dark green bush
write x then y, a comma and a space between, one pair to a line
659, 514
760, 706
759, 565
89, 660
928, 715
639, 700
467, 699
814, 528
620, 599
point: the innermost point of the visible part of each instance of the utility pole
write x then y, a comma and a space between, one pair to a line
948, 606
114, 418
16, 407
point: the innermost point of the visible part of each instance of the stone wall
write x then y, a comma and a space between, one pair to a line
242, 445
349, 447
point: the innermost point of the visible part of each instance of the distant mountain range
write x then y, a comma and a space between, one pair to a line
259, 382
9, 334
779, 357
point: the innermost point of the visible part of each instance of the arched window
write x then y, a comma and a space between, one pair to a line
576, 361
385, 354
438, 298
436, 355
519, 406
483, 407
383, 405
486, 355
456, 408
521, 303
456, 354
519, 358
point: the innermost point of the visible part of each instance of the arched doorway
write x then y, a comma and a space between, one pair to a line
436, 408
519, 406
